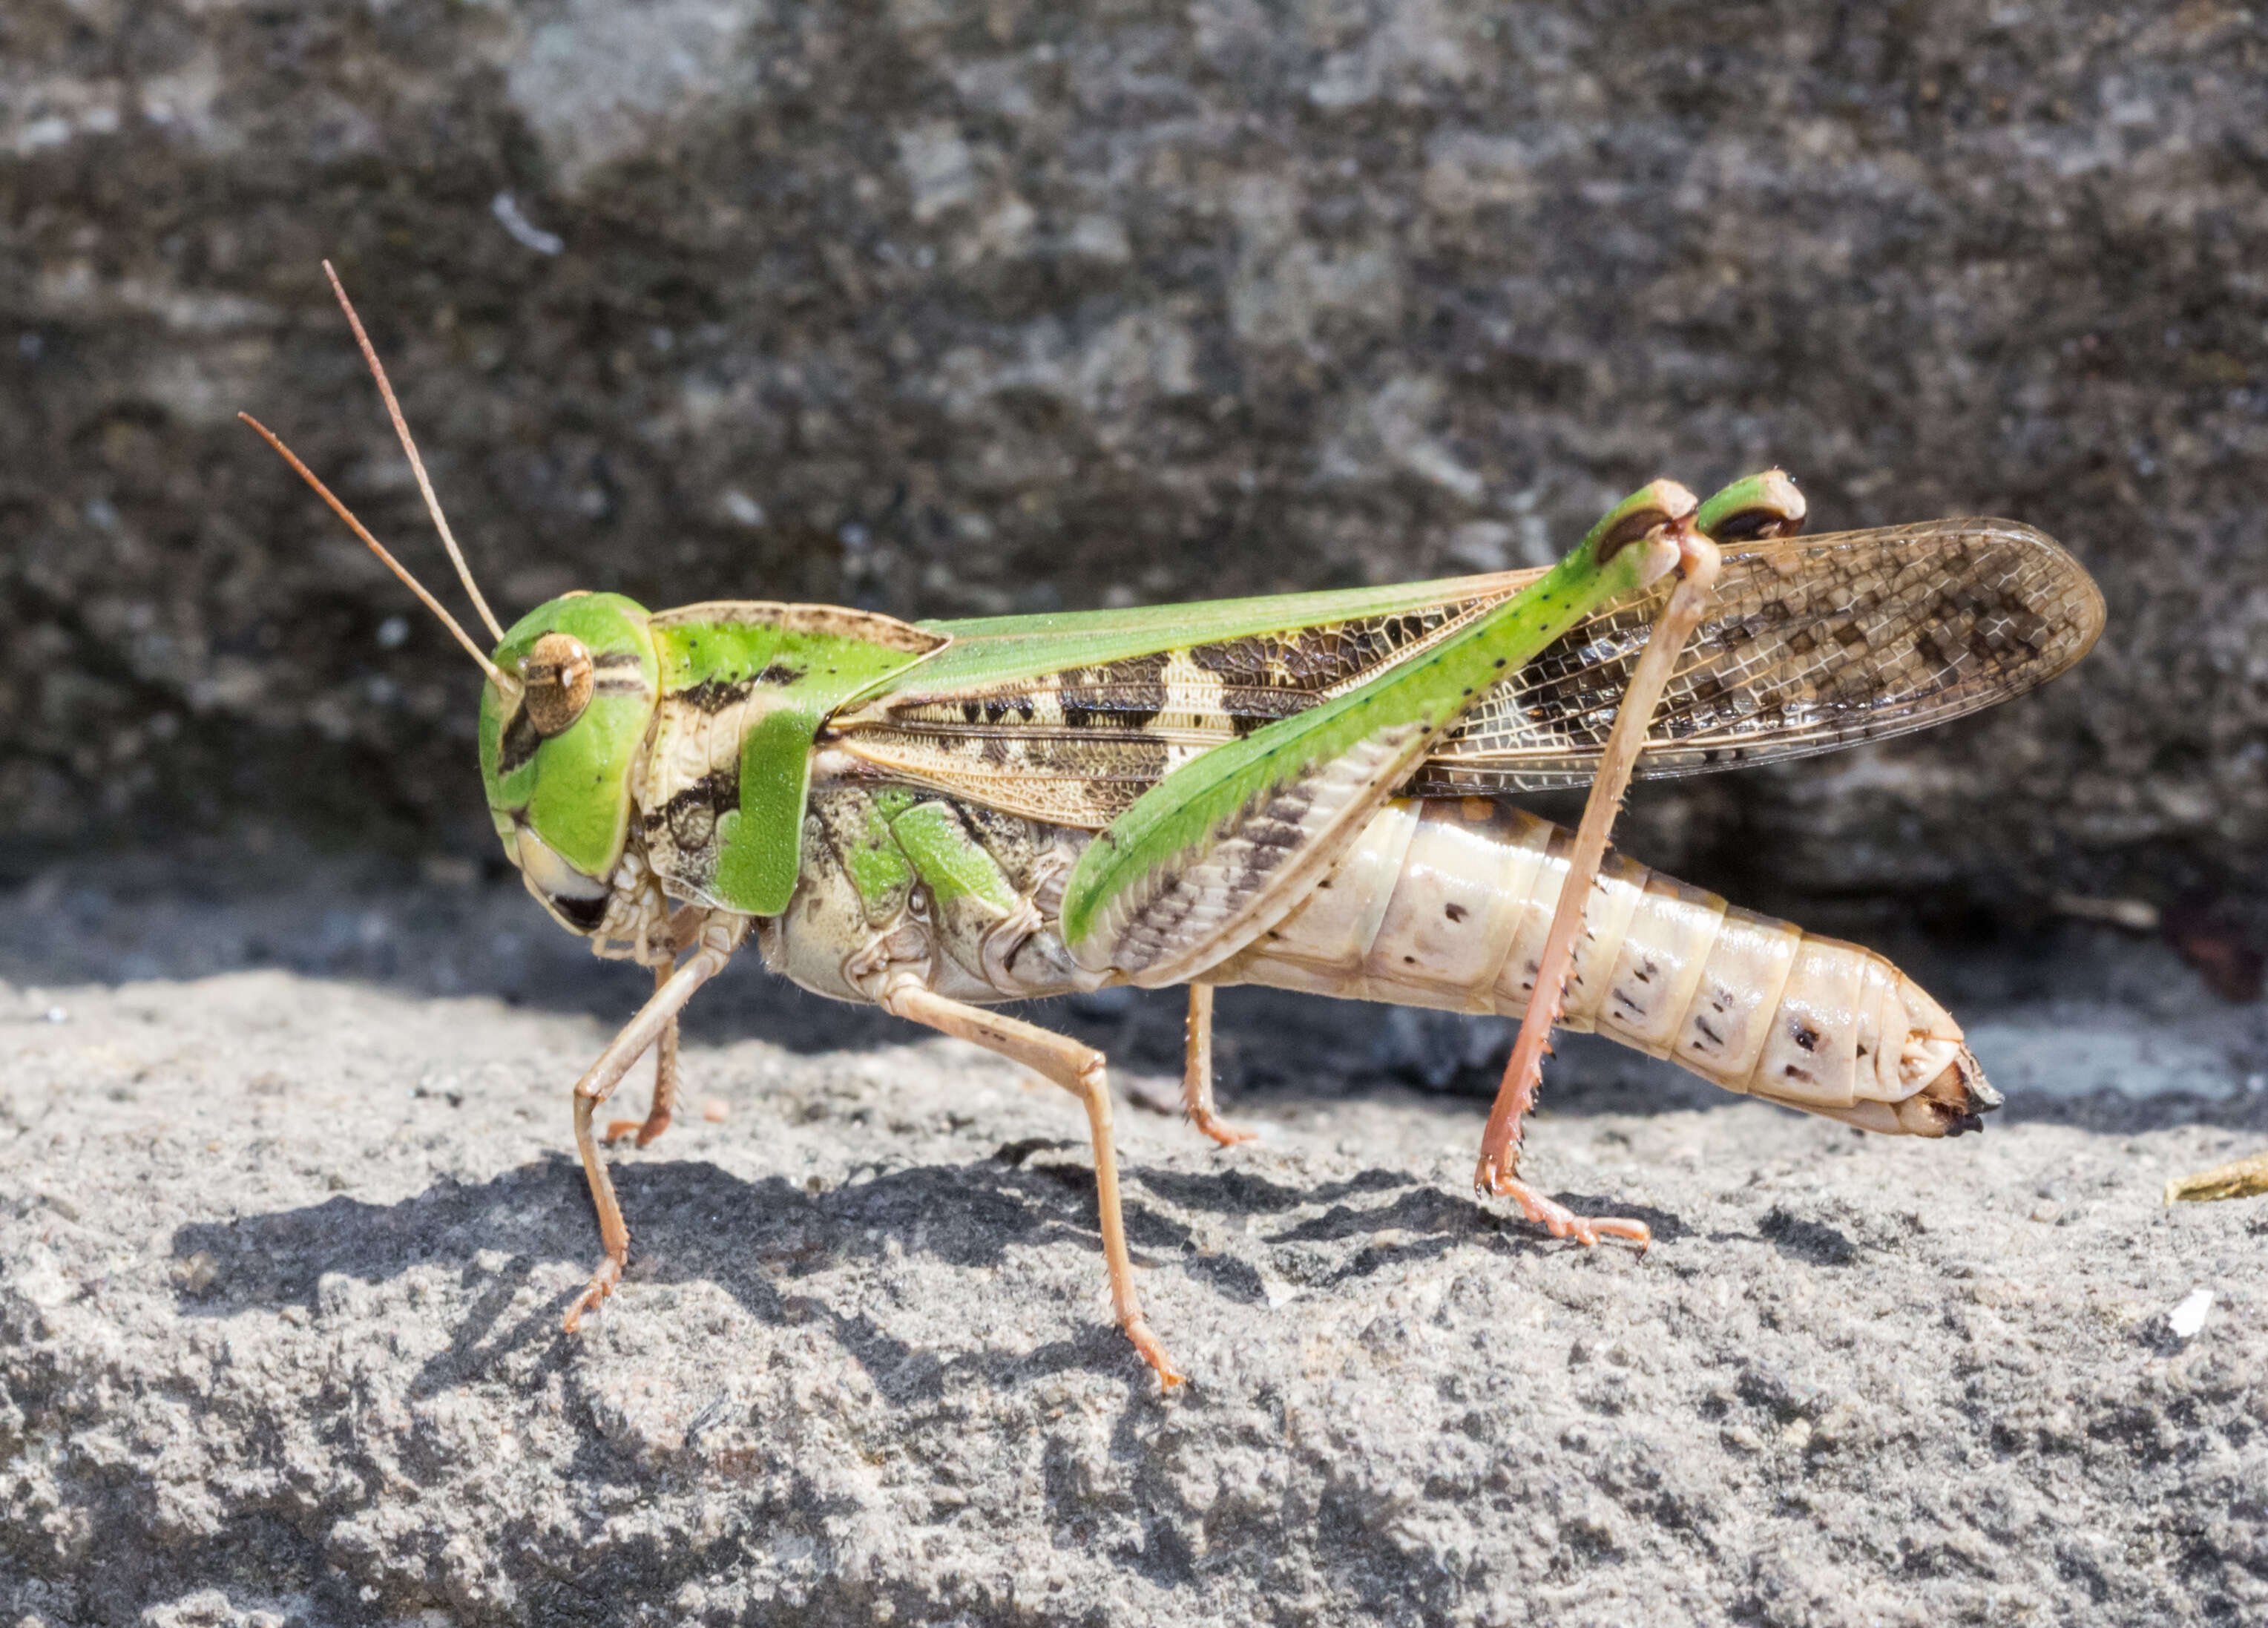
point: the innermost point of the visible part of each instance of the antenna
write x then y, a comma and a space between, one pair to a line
416, 464
497, 676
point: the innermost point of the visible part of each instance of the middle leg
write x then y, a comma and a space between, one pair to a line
664, 1082
684, 930
1079, 1070
1196, 1074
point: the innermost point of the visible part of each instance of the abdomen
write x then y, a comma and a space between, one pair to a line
1446, 903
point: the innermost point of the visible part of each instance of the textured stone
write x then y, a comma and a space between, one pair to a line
943, 308
946, 309
283, 1261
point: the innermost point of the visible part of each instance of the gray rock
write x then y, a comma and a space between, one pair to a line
283, 1261
946, 308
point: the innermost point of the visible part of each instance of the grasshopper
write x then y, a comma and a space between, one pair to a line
1307, 792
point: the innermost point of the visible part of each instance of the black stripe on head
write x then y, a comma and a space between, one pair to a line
518, 743
618, 673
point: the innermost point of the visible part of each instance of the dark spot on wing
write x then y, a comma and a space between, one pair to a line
1120, 696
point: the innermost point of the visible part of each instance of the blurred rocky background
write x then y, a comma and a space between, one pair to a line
948, 308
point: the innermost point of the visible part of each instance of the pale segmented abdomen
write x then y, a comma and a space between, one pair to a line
1446, 903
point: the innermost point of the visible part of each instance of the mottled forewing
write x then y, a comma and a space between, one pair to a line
1811, 643
1076, 746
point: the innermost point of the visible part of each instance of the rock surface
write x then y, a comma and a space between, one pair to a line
283, 1259
944, 307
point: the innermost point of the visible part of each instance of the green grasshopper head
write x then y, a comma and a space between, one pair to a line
557, 747
572, 690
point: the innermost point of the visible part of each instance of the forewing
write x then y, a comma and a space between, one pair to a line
1813, 644
1078, 745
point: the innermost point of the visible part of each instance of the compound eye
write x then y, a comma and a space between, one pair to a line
558, 676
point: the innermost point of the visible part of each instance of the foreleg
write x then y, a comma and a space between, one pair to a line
720, 935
